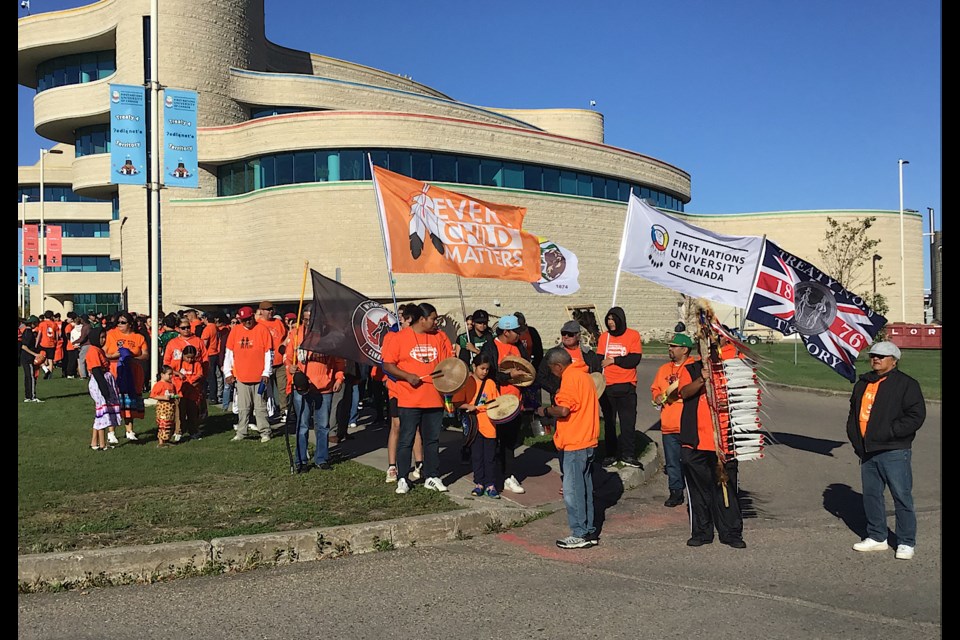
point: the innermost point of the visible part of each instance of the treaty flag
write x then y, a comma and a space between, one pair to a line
432, 230
793, 296
345, 323
688, 259
559, 270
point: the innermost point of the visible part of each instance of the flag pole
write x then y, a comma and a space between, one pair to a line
623, 249
303, 290
756, 273
463, 307
383, 235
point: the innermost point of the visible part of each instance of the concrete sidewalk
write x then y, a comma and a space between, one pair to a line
536, 468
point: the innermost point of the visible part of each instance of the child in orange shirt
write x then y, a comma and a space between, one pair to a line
480, 390
165, 393
190, 381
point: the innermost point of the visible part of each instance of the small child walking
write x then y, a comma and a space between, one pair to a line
165, 393
480, 390
103, 391
191, 383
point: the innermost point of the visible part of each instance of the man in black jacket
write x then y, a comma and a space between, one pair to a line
886, 410
621, 349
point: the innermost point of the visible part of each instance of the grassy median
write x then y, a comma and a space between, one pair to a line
70, 497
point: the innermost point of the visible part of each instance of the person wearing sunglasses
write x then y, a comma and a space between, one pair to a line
173, 353
581, 357
886, 411
125, 349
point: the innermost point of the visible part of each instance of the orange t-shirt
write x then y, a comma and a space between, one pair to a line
419, 354
671, 410
322, 370
504, 350
249, 347
729, 352
388, 382
193, 372
866, 404
211, 339
278, 332
578, 361
49, 332
611, 346
68, 343
96, 358
468, 394
135, 342
173, 352
580, 429
163, 390
193, 326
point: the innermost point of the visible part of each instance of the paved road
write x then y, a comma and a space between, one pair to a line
798, 578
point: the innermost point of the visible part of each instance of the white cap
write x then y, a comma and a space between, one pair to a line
885, 349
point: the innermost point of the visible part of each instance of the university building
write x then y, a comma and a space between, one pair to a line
283, 139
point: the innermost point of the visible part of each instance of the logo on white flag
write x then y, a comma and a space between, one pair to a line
559, 270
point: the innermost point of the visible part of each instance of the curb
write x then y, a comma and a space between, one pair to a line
149, 563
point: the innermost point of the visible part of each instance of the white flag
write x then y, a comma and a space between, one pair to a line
688, 259
559, 270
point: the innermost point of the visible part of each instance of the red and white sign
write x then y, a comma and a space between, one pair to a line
54, 246
31, 245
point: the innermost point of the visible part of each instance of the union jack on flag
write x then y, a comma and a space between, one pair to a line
793, 296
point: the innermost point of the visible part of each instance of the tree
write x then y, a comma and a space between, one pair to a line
847, 248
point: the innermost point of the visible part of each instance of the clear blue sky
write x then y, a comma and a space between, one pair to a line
768, 105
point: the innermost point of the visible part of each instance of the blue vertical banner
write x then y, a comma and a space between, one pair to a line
180, 138
128, 134
31, 275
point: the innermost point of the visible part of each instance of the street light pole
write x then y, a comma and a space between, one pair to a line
23, 251
42, 231
876, 258
903, 270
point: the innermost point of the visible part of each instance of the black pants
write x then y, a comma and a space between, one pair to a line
213, 386
483, 452
71, 357
507, 436
29, 382
620, 400
706, 497
378, 398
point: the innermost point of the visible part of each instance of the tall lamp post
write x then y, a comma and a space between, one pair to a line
23, 252
903, 269
42, 231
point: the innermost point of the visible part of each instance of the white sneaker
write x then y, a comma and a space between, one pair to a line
512, 485
391, 474
131, 435
238, 438
177, 437
28, 400
402, 486
265, 437
38, 400
112, 438
904, 552
417, 472
45, 368
869, 544
434, 484
253, 427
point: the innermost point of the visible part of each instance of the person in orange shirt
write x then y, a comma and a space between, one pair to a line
278, 333
393, 412
480, 390
666, 398
709, 508
508, 433
621, 349
190, 381
224, 325
210, 338
165, 393
125, 348
582, 357
411, 356
193, 319
173, 353
247, 362
103, 391
72, 351
49, 335
315, 378
578, 429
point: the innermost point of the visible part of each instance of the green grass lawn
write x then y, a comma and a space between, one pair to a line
70, 497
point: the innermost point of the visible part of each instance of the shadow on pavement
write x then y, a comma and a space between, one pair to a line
819, 446
607, 491
843, 502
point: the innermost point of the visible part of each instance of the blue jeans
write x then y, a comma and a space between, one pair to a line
671, 461
317, 406
578, 490
354, 404
893, 470
227, 397
430, 421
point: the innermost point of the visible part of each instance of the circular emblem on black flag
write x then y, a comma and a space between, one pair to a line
816, 308
371, 322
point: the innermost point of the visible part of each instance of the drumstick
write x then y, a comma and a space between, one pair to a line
435, 374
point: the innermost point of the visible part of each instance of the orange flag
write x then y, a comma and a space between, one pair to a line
432, 230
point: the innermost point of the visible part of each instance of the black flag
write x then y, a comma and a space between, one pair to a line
345, 323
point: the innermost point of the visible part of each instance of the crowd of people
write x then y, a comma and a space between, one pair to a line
253, 363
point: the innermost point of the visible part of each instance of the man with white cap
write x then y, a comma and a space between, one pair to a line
886, 410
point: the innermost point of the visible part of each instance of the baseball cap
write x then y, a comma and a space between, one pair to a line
245, 312
265, 305
481, 316
507, 323
570, 326
33, 319
290, 316
885, 349
682, 340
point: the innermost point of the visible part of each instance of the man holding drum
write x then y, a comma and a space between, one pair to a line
411, 356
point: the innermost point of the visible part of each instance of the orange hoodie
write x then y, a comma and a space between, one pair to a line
580, 429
